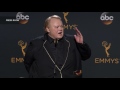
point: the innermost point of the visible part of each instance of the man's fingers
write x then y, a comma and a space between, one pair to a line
77, 31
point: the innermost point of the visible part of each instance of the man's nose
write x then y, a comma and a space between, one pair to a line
60, 28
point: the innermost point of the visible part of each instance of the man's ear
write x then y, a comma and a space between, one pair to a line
47, 29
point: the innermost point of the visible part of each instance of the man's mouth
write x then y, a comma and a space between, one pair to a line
60, 33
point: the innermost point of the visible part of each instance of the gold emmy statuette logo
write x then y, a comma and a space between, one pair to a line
66, 25
107, 59
65, 14
107, 47
23, 46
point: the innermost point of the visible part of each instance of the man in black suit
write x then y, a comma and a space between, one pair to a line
56, 55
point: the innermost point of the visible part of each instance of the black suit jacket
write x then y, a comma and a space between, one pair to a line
38, 58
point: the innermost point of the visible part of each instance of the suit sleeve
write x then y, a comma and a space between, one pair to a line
84, 50
28, 59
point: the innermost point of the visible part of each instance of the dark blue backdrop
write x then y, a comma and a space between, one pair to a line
102, 37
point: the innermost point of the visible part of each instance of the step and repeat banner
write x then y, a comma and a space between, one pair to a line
101, 30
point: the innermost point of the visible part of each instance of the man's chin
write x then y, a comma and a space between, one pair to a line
60, 37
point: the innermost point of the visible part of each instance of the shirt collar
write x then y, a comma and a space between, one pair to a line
51, 40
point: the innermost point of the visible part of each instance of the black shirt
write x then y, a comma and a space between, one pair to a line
57, 48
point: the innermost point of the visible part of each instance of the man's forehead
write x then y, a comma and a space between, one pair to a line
55, 19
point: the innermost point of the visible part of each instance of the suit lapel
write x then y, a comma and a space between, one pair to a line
48, 50
66, 49
66, 45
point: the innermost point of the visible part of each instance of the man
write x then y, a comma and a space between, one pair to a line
55, 55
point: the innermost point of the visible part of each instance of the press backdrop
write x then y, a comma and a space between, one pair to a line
101, 35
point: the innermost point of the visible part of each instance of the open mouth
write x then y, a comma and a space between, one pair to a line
60, 33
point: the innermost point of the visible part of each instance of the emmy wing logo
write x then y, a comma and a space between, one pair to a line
108, 59
67, 25
65, 15
107, 47
23, 46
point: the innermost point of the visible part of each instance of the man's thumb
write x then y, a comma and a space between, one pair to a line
75, 36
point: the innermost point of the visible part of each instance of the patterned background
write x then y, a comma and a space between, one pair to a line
102, 37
